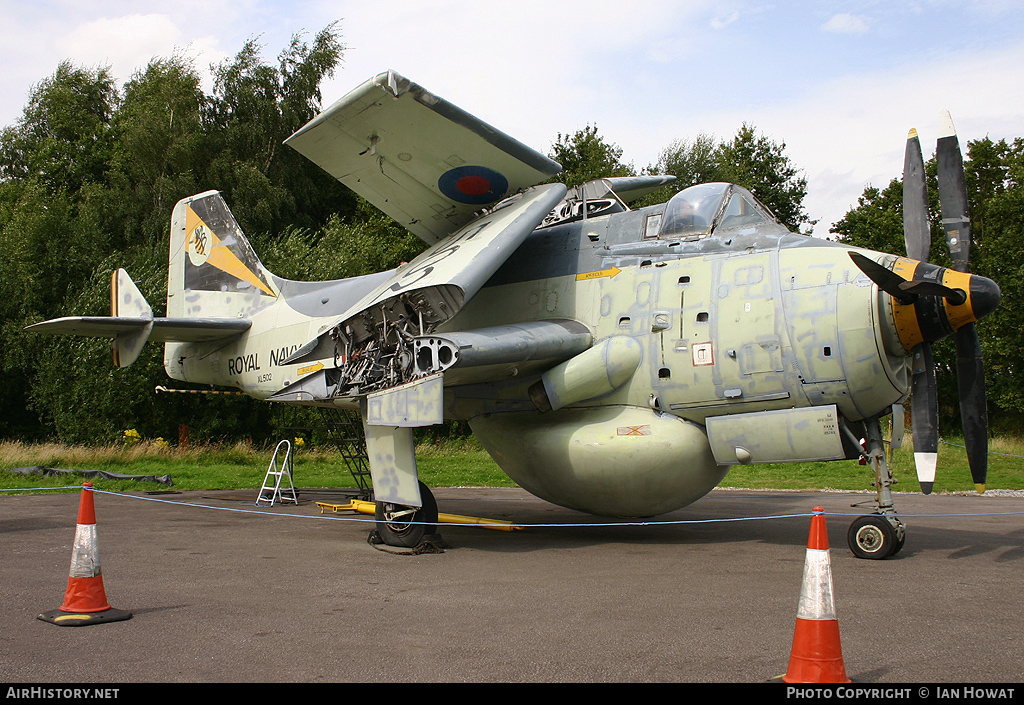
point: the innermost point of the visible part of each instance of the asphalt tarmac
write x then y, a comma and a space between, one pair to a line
223, 591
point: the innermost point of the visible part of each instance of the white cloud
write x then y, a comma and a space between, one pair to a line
845, 23
851, 131
127, 44
722, 22
118, 34
531, 70
124, 43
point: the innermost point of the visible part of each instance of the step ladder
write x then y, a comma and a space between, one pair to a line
273, 493
345, 429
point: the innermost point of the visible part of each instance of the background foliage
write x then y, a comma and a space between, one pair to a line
89, 174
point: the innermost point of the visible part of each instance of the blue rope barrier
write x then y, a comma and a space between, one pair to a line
667, 522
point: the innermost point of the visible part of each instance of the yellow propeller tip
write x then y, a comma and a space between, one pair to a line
912, 134
980, 487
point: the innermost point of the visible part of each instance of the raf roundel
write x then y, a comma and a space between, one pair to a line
475, 185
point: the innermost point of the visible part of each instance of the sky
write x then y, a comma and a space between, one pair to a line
839, 83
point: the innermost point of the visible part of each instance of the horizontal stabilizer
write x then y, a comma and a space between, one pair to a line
184, 330
131, 324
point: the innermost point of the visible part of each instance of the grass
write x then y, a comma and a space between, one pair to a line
446, 464
232, 466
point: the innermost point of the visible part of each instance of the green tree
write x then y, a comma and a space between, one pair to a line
748, 159
254, 108
344, 249
762, 166
877, 221
53, 169
995, 175
159, 156
63, 138
585, 155
691, 162
88, 177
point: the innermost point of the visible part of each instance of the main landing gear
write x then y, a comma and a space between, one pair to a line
407, 527
882, 534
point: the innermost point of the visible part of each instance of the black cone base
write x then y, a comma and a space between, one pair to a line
82, 619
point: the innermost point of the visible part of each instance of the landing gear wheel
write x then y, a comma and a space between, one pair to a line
899, 543
873, 537
399, 525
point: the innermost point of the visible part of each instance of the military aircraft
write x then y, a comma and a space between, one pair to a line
612, 361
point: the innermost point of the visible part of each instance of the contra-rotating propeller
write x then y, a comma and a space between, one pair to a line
970, 369
931, 302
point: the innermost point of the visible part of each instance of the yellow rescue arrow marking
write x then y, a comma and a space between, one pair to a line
598, 275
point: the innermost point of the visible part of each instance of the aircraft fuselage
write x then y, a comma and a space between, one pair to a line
736, 323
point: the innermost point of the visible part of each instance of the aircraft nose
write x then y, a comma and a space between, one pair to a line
936, 302
929, 302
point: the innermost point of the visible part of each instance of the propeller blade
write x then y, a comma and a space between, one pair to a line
886, 279
926, 288
898, 423
916, 229
969, 367
902, 289
956, 221
924, 409
973, 410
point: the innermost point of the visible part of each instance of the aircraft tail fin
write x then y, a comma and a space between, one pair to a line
212, 269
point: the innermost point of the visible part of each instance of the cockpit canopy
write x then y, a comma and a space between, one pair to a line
699, 210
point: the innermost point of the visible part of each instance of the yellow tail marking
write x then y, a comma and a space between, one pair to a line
204, 247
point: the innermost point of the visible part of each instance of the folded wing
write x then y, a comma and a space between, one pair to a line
421, 160
372, 344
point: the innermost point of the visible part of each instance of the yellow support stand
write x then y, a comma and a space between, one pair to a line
364, 507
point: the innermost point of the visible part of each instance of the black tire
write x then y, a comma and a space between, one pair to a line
398, 525
899, 544
872, 537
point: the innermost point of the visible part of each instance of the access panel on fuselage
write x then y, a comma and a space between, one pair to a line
729, 347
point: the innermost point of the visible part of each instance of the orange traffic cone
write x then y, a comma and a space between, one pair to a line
85, 601
817, 655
